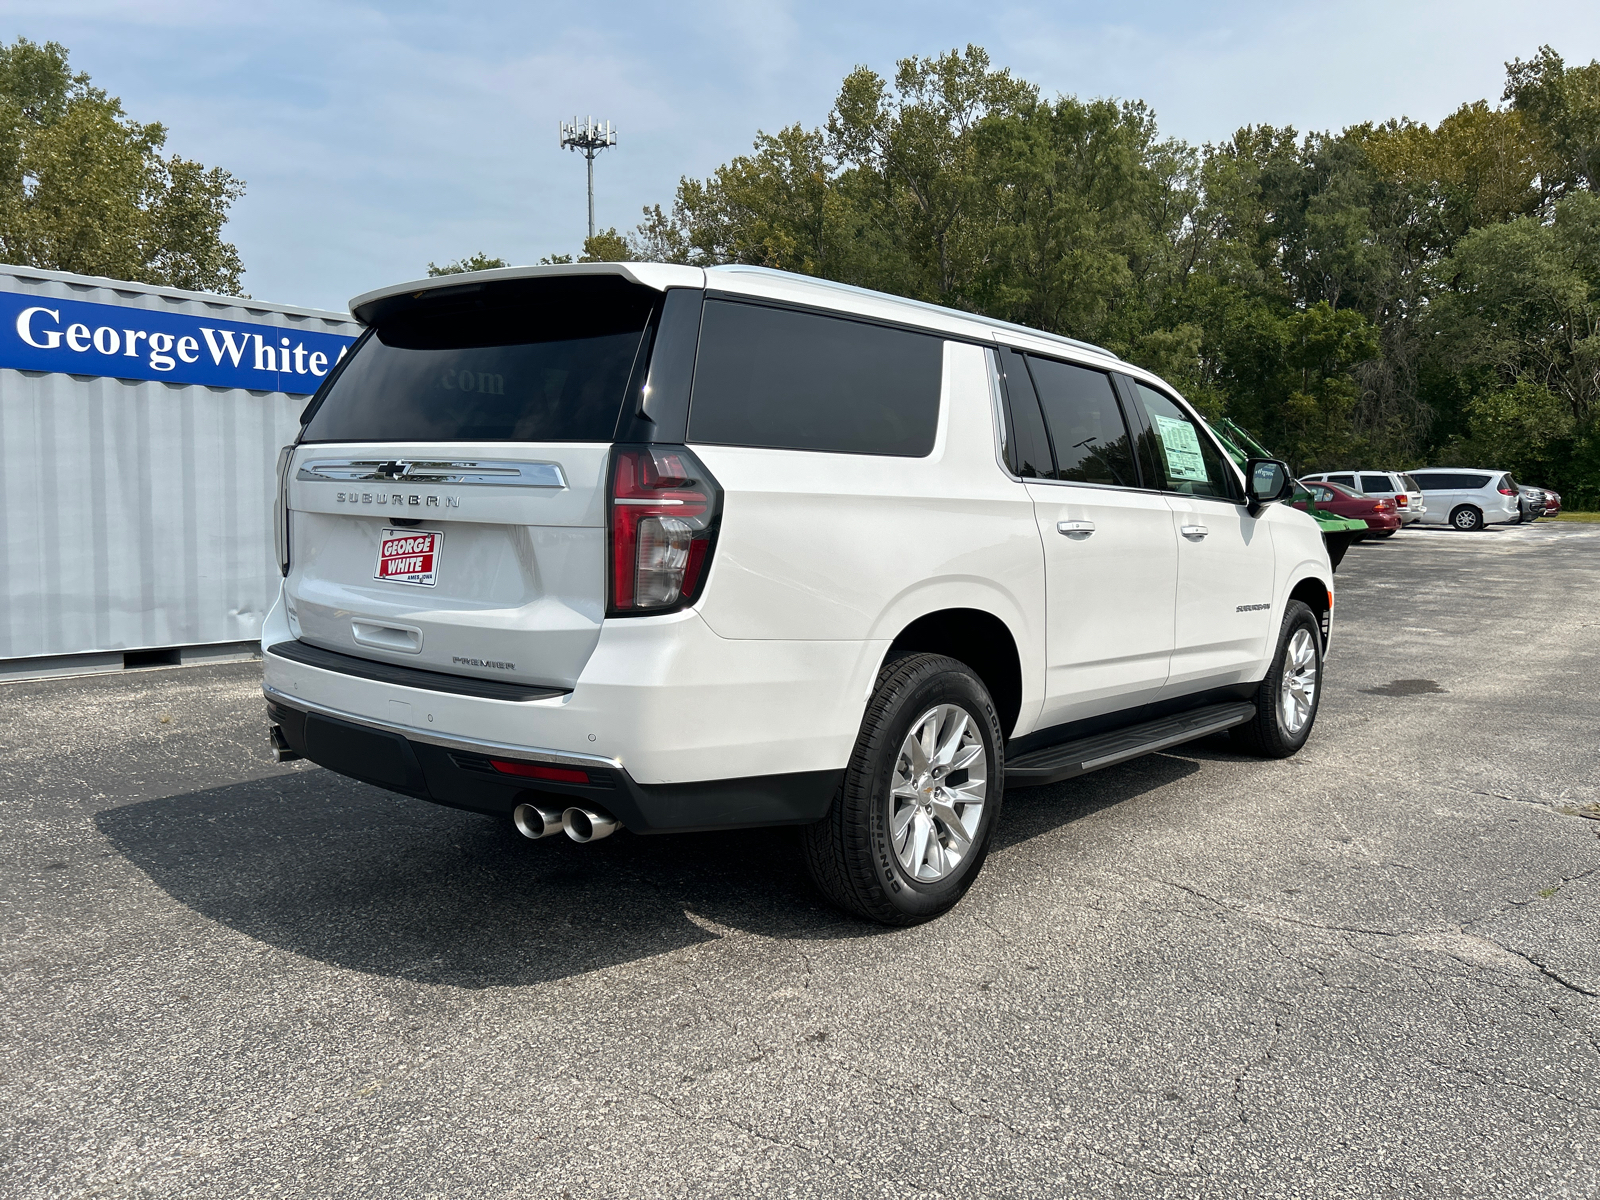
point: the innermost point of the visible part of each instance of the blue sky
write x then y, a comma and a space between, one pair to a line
375, 137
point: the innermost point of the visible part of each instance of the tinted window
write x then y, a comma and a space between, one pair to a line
1086, 428
797, 381
550, 365
1027, 445
1349, 481
1179, 453
1411, 484
1376, 483
1451, 481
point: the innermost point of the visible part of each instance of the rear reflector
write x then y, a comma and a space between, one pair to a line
529, 770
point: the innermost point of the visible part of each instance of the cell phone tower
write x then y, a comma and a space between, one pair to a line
591, 137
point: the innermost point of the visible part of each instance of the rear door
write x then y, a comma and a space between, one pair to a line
1109, 547
447, 497
1226, 566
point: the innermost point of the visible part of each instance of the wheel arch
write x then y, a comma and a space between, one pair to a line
1316, 595
980, 640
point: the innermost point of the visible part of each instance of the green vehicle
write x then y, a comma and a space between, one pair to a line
1338, 533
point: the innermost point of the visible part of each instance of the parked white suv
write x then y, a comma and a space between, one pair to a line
672, 549
1409, 504
1468, 498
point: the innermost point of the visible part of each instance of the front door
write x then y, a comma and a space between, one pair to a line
1223, 626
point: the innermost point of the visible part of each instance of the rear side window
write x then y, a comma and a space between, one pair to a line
1348, 481
550, 363
1178, 453
1086, 426
1451, 481
1376, 483
1027, 444
1411, 484
790, 380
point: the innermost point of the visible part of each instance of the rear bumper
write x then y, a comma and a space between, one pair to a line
459, 772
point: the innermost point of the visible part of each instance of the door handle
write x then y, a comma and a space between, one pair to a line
1194, 531
1071, 527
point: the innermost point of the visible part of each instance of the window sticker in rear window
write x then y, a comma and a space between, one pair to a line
1181, 444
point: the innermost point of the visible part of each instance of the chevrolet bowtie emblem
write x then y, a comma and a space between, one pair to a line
393, 470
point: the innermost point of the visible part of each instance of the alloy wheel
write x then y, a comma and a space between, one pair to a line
941, 779
1297, 694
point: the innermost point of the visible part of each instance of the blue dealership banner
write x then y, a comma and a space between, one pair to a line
79, 337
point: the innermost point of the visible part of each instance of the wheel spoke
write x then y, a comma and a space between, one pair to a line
961, 842
970, 792
914, 751
967, 757
952, 741
921, 828
899, 823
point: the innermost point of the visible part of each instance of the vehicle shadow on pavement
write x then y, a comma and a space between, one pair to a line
1033, 812
359, 878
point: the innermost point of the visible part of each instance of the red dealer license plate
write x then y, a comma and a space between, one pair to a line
410, 556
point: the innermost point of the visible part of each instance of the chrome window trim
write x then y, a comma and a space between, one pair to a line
472, 745
485, 472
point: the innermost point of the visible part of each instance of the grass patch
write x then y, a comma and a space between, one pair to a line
1592, 517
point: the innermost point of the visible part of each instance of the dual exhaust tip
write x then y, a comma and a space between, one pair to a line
579, 824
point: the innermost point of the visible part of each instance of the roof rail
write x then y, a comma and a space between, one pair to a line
978, 318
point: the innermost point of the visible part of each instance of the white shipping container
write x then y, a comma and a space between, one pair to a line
136, 513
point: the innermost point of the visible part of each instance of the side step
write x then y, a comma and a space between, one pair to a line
1055, 763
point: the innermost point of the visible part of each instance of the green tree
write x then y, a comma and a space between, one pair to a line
85, 188
473, 262
1563, 103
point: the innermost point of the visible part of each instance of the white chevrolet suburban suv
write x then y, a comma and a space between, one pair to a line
674, 549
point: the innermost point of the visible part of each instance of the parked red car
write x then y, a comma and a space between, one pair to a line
1552, 502
1377, 512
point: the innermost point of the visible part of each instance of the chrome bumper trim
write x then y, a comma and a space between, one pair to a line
471, 745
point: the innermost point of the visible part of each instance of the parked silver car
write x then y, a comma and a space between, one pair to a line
1469, 497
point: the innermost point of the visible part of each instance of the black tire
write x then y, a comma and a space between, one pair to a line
1466, 518
849, 852
1266, 734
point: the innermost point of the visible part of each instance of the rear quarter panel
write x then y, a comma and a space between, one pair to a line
846, 547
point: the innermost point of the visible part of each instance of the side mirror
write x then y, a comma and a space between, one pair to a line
1268, 480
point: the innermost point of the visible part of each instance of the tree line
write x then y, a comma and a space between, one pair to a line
1390, 295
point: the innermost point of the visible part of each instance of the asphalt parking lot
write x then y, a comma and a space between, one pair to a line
1371, 970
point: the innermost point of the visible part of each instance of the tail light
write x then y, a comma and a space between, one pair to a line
664, 509
280, 510
1384, 506
1400, 501
1505, 491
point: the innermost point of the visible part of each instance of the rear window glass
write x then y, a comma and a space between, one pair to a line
1411, 484
548, 364
790, 380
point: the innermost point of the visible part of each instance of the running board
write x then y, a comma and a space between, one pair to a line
1055, 763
